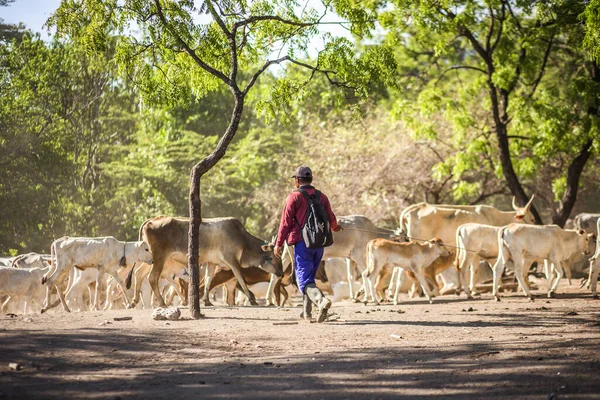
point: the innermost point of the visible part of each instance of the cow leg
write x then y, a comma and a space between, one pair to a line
230, 287
520, 272
593, 275
184, 290
392, 285
4, 304
350, 278
559, 270
119, 282
139, 279
498, 269
370, 283
425, 287
270, 289
154, 277
399, 280
99, 285
549, 274
475, 260
236, 269
208, 275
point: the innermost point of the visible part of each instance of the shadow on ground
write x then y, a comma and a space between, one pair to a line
111, 363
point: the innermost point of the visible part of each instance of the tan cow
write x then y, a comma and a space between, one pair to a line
223, 241
411, 256
351, 243
425, 221
524, 244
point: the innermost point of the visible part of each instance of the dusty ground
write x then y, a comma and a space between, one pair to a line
512, 349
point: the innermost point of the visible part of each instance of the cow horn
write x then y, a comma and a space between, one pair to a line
515, 207
530, 202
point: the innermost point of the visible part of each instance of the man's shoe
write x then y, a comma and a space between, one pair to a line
323, 307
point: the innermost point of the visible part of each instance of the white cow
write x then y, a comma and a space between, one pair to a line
31, 260
525, 244
595, 264
22, 284
475, 242
411, 256
105, 254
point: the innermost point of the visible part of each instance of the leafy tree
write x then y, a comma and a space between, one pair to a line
485, 67
183, 49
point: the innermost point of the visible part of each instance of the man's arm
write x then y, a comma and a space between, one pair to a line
287, 221
332, 219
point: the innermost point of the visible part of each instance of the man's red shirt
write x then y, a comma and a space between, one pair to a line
294, 215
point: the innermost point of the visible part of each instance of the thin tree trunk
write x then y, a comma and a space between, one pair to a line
196, 205
512, 180
574, 173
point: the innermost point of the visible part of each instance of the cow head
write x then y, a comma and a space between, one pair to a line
584, 241
139, 252
399, 236
269, 262
439, 245
522, 214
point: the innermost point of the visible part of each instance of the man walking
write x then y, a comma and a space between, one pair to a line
302, 226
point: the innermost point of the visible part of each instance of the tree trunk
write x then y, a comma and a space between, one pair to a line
574, 173
512, 180
196, 206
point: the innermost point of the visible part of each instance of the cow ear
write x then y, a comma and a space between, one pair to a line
581, 232
267, 247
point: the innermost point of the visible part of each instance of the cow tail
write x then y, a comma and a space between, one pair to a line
501, 254
370, 259
53, 260
459, 249
129, 277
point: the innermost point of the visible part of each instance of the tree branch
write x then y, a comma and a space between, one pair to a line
261, 70
542, 69
257, 18
490, 32
460, 67
500, 28
189, 50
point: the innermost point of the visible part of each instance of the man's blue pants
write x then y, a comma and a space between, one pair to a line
307, 264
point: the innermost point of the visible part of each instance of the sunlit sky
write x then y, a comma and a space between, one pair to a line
33, 13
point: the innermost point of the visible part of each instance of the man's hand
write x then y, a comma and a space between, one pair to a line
278, 251
338, 228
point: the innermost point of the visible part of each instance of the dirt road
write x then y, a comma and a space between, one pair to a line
451, 349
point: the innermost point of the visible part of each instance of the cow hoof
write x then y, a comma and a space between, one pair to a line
208, 304
469, 297
531, 299
431, 301
355, 300
253, 303
551, 295
43, 311
497, 298
595, 296
475, 294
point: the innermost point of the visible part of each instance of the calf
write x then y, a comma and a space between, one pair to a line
22, 283
105, 254
411, 256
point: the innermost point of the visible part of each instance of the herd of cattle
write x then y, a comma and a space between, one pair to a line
435, 250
